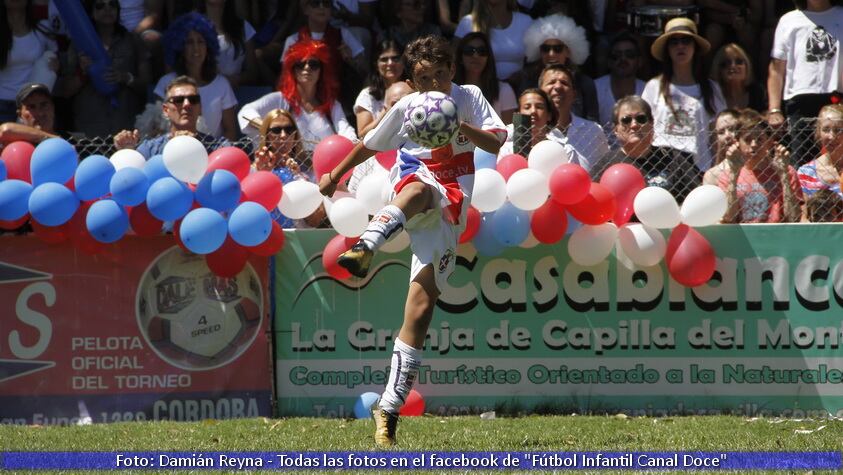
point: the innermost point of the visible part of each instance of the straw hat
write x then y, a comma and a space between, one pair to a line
678, 27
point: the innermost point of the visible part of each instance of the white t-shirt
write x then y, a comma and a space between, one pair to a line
227, 63
507, 43
26, 50
506, 98
217, 96
131, 13
688, 129
366, 102
810, 44
314, 126
347, 37
586, 138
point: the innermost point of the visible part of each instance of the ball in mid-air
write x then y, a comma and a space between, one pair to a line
431, 119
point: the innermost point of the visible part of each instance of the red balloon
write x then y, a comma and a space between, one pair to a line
329, 153
387, 159
12, 225
569, 184
597, 207
625, 181
472, 225
336, 246
511, 164
228, 260
549, 222
273, 243
17, 155
51, 234
231, 159
263, 188
78, 232
690, 258
142, 221
177, 235
413, 406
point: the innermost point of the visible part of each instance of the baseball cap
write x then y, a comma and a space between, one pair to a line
29, 89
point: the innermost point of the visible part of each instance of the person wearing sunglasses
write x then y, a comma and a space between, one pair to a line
505, 26
661, 166
182, 107
388, 68
732, 70
624, 64
475, 63
308, 89
683, 98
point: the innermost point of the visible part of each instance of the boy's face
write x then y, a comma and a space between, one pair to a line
427, 77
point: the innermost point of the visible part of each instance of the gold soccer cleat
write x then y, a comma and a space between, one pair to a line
386, 424
356, 260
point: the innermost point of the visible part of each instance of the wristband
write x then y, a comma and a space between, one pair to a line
775, 111
330, 177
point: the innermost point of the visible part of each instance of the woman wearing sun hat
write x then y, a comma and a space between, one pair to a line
683, 99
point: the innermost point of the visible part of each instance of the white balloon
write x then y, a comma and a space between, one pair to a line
656, 208
590, 245
527, 189
546, 156
397, 243
348, 217
127, 158
643, 245
185, 158
299, 199
704, 206
489, 190
370, 191
530, 242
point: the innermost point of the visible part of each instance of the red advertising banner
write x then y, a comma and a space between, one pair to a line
142, 331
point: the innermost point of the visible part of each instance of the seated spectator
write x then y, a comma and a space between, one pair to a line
36, 117
236, 59
824, 206
624, 62
557, 39
308, 89
762, 186
661, 166
505, 26
339, 40
725, 134
535, 104
584, 136
388, 68
475, 64
191, 49
409, 23
824, 172
732, 69
182, 107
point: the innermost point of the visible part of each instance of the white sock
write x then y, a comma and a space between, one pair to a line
388, 221
402, 374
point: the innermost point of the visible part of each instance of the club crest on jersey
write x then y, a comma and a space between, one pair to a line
462, 139
445, 261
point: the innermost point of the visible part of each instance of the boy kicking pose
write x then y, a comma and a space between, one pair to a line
431, 194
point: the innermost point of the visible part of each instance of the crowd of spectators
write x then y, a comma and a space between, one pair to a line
742, 95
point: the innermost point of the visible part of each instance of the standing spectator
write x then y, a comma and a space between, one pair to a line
191, 49
36, 116
739, 18
409, 23
624, 61
536, 104
683, 98
557, 39
505, 26
308, 89
725, 134
22, 44
805, 70
584, 136
387, 70
236, 59
475, 64
824, 171
732, 69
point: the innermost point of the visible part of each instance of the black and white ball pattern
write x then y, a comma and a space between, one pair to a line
431, 119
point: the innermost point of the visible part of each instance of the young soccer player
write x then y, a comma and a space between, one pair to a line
431, 194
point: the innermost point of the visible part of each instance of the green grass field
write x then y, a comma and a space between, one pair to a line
532, 433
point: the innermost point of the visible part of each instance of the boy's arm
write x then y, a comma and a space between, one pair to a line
485, 139
329, 181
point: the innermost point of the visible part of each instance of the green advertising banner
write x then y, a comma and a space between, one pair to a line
532, 331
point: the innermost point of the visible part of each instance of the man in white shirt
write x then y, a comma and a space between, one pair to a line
624, 62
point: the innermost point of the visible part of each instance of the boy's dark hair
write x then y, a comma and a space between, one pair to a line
825, 206
434, 49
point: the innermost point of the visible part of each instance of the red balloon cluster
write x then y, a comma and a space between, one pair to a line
329, 153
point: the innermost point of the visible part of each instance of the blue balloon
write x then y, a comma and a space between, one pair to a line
511, 225
573, 224
54, 160
14, 199
485, 241
203, 230
363, 405
484, 159
52, 204
81, 30
219, 190
129, 186
155, 169
107, 221
249, 224
169, 199
2, 170
92, 177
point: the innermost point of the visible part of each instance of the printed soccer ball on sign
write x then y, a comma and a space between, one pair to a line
431, 119
194, 319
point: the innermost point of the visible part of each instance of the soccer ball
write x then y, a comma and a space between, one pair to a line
431, 119
194, 319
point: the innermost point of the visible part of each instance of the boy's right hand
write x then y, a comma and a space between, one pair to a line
326, 186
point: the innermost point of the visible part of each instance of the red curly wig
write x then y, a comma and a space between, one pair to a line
327, 88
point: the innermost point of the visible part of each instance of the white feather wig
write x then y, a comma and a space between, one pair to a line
558, 27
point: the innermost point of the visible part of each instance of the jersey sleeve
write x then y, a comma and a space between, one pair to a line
390, 132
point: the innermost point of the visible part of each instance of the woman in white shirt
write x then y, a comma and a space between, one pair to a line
388, 68
501, 21
308, 89
475, 64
